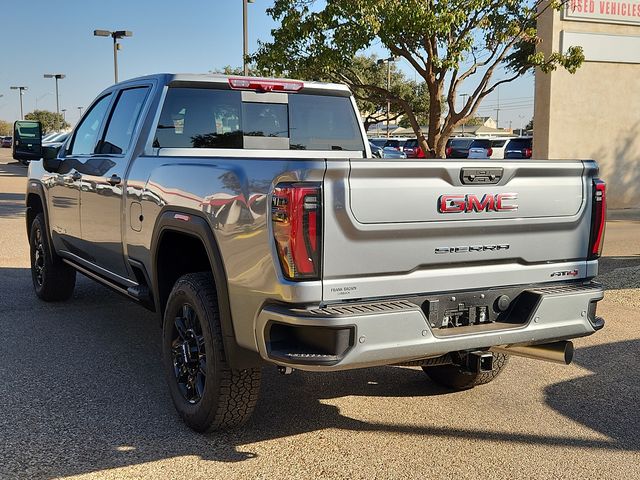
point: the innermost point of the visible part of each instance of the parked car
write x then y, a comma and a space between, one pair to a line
48, 136
56, 140
376, 151
458, 147
379, 142
395, 143
412, 149
521, 147
498, 146
390, 152
7, 142
480, 148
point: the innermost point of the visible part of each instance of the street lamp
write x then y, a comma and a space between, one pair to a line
388, 61
245, 33
116, 46
21, 90
80, 108
57, 76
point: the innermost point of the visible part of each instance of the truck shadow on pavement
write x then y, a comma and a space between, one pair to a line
81, 390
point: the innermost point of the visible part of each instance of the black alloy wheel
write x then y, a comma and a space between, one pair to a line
189, 354
53, 280
207, 392
39, 258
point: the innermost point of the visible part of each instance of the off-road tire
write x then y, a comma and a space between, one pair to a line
229, 395
457, 378
53, 280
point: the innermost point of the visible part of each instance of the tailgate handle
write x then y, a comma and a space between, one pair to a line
483, 176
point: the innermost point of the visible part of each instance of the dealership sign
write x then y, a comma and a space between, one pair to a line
603, 11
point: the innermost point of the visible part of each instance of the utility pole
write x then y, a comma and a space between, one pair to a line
464, 103
57, 76
388, 61
245, 35
21, 90
116, 46
498, 108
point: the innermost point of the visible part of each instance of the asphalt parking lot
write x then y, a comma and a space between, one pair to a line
82, 395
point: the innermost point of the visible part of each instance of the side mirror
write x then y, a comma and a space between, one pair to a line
27, 140
50, 159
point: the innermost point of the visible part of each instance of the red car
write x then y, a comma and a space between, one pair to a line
7, 142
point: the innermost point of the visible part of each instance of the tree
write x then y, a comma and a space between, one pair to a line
473, 121
6, 129
453, 46
51, 122
529, 125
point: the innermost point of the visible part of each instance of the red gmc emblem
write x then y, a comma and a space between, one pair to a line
501, 202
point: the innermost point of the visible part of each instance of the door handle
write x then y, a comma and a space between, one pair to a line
75, 176
114, 180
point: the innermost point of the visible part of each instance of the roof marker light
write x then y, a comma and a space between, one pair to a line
265, 84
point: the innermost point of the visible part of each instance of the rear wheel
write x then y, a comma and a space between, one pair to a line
458, 378
53, 280
208, 394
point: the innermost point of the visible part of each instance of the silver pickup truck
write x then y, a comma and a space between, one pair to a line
249, 214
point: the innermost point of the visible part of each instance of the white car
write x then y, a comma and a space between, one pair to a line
498, 145
480, 148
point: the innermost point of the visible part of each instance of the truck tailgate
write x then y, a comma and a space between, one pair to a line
404, 227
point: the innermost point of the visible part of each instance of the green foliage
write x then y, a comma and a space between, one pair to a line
474, 121
451, 44
51, 122
6, 129
529, 126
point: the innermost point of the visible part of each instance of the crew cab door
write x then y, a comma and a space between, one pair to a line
103, 177
65, 184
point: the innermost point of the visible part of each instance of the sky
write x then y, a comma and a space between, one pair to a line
191, 36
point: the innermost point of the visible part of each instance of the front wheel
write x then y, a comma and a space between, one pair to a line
456, 377
208, 394
53, 280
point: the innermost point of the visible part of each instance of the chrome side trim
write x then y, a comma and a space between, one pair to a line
93, 270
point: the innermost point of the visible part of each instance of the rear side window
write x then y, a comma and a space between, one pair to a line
460, 142
212, 118
411, 144
122, 122
519, 143
481, 144
498, 143
199, 118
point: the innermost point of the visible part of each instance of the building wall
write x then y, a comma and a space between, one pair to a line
594, 113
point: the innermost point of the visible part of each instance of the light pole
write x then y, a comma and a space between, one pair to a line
388, 61
245, 35
464, 102
57, 76
116, 46
80, 108
21, 90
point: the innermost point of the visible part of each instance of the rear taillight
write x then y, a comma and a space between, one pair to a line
448, 151
527, 152
598, 218
297, 229
489, 151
